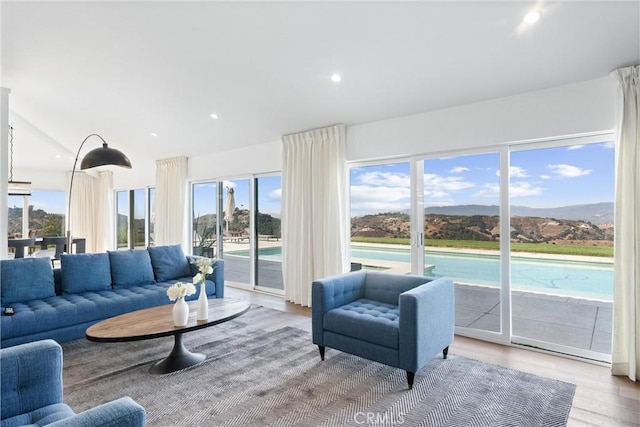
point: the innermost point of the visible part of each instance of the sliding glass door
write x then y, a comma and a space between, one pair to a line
462, 234
236, 230
380, 217
268, 247
562, 233
204, 210
238, 220
525, 232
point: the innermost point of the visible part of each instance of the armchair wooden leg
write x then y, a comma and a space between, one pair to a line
410, 376
444, 352
321, 348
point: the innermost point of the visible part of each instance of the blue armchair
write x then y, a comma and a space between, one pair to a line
31, 392
400, 320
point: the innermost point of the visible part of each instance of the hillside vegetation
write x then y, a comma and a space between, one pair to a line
527, 234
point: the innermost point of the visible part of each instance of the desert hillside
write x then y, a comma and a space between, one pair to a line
484, 227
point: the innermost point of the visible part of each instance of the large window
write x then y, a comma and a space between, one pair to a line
269, 234
134, 218
40, 214
15, 224
122, 219
151, 219
525, 232
462, 234
380, 217
205, 219
236, 230
238, 220
562, 245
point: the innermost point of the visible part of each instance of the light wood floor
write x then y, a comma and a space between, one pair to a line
600, 400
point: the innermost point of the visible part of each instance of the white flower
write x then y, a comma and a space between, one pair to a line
204, 267
180, 290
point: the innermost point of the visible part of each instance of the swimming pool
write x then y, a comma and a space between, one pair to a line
552, 276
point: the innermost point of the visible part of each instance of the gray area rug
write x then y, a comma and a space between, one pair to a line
263, 370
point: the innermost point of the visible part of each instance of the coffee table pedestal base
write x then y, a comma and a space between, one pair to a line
179, 358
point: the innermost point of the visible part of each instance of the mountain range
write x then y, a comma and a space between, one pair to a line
596, 213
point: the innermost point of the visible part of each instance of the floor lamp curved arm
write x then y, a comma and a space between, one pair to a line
97, 157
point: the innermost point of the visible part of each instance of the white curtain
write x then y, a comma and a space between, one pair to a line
625, 355
170, 201
92, 210
104, 219
314, 219
82, 209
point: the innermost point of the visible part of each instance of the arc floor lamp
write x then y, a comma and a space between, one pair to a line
101, 156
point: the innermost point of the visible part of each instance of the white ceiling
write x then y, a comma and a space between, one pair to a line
127, 69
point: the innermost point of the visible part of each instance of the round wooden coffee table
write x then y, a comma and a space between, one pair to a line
157, 322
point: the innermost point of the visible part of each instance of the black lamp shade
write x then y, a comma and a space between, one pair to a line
105, 156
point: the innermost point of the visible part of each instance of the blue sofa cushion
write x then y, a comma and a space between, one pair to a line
169, 262
131, 267
41, 416
26, 279
372, 321
84, 272
387, 287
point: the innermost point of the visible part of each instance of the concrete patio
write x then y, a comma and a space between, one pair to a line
574, 322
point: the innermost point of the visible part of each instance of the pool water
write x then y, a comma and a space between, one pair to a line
569, 278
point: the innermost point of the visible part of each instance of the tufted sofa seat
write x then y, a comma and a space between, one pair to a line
400, 320
61, 304
368, 320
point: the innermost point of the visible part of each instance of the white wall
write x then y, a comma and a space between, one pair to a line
262, 158
560, 111
566, 110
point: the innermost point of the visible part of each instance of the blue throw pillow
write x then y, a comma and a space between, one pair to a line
25, 279
132, 267
85, 272
169, 262
194, 270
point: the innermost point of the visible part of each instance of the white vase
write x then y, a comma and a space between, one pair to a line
203, 303
180, 312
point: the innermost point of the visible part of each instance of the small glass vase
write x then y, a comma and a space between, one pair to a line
180, 313
203, 303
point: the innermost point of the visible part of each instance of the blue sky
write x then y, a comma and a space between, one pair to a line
269, 195
550, 177
49, 201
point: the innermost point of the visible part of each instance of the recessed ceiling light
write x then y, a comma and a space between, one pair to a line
154, 134
532, 17
336, 78
57, 156
213, 115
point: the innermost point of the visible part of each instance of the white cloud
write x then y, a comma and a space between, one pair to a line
545, 176
574, 147
568, 171
275, 195
609, 145
459, 169
515, 172
371, 199
523, 189
433, 182
516, 189
488, 191
385, 179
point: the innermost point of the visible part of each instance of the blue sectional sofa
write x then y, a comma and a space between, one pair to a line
61, 303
